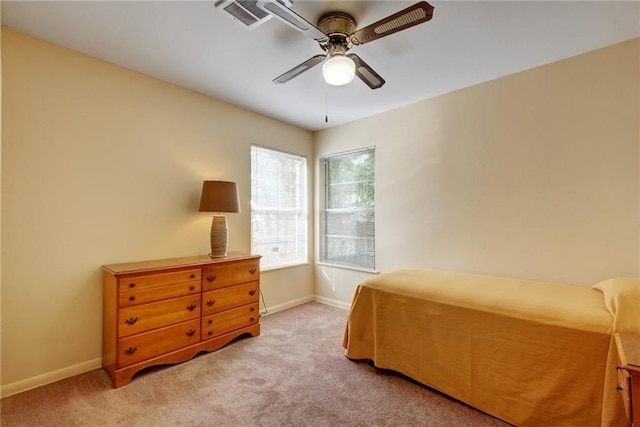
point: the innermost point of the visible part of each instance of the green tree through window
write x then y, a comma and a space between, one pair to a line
348, 209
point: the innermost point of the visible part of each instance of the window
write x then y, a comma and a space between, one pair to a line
278, 207
347, 211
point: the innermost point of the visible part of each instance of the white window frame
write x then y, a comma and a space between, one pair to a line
363, 256
274, 240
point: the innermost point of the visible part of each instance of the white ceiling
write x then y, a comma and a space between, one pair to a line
195, 45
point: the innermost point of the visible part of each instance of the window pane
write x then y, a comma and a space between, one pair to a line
278, 207
348, 210
351, 195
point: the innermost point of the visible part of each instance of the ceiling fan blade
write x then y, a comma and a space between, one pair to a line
299, 69
406, 18
289, 17
366, 73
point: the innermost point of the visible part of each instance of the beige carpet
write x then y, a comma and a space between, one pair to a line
294, 374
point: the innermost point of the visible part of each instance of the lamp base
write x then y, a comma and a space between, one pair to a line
219, 236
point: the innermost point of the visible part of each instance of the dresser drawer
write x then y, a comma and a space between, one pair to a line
233, 273
149, 344
128, 299
230, 320
624, 387
131, 283
133, 320
230, 297
628, 366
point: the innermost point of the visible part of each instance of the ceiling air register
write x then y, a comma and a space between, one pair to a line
245, 12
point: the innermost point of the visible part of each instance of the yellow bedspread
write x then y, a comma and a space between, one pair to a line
530, 353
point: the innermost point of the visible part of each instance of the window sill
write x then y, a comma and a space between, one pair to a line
281, 267
346, 267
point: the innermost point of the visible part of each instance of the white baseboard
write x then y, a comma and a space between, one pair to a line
70, 371
333, 302
300, 301
50, 377
289, 304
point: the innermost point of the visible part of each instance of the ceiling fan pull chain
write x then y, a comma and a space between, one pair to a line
326, 105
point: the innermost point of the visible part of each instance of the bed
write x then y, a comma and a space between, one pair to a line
529, 353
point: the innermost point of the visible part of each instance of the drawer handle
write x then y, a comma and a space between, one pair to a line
252, 292
191, 307
210, 333
211, 278
132, 285
191, 288
618, 368
129, 351
210, 322
211, 302
132, 298
131, 321
252, 271
192, 276
190, 332
618, 388
252, 319
253, 309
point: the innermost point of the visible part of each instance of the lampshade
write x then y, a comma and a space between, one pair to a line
219, 196
338, 70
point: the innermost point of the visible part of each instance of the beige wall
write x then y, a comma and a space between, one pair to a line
102, 165
534, 175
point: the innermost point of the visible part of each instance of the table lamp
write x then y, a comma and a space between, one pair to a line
219, 197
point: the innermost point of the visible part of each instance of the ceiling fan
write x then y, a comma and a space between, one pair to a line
336, 34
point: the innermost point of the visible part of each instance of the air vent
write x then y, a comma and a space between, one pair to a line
245, 12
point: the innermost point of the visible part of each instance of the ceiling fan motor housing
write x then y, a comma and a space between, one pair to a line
337, 23
337, 26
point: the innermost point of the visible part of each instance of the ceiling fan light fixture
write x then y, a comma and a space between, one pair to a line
338, 70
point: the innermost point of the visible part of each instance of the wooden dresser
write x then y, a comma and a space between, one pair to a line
629, 374
167, 311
